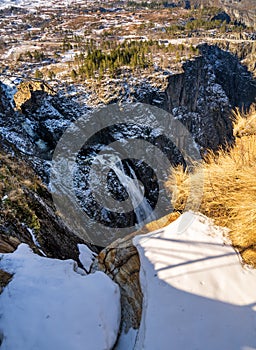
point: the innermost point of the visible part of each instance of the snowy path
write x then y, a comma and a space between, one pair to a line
197, 295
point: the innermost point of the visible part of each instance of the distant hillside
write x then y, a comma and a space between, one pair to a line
241, 10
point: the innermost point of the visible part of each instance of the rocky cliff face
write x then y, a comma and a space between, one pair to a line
240, 10
203, 95
36, 124
237, 83
245, 51
27, 213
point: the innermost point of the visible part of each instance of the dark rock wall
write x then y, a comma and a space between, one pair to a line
203, 95
236, 81
26, 206
243, 11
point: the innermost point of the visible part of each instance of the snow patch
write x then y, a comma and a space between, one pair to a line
86, 256
35, 241
197, 295
47, 305
127, 340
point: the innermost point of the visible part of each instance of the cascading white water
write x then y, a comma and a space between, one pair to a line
135, 191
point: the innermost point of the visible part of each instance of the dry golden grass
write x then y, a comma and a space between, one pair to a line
227, 189
162, 222
244, 125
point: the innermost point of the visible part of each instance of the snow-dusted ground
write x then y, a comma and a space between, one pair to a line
51, 304
37, 3
197, 295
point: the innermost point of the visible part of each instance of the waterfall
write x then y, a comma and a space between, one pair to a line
135, 191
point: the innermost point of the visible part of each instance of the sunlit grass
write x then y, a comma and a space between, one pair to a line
229, 187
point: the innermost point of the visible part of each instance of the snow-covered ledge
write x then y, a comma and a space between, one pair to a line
52, 304
197, 294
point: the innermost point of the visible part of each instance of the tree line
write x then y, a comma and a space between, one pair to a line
132, 54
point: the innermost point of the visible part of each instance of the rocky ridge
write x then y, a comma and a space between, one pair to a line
243, 11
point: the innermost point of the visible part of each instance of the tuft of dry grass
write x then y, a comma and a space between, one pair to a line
244, 125
227, 187
160, 223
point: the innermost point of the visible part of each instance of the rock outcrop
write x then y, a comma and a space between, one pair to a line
26, 93
120, 261
40, 118
8, 243
46, 115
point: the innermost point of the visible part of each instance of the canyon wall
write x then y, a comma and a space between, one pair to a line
203, 95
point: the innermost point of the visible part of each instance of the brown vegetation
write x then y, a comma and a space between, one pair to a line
228, 187
16, 180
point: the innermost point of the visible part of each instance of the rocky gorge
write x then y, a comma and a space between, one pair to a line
201, 98
31, 124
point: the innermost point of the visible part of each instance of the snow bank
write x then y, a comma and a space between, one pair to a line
197, 295
86, 256
48, 305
